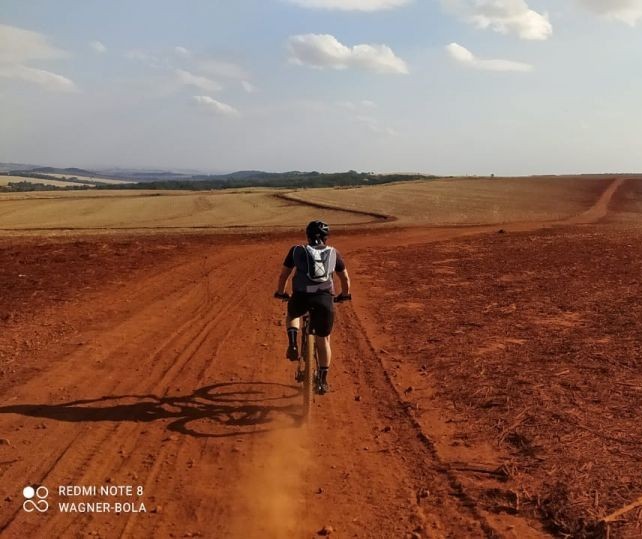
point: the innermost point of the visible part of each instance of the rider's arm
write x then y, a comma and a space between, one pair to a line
345, 282
288, 266
283, 279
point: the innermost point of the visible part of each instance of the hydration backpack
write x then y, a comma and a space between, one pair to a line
320, 263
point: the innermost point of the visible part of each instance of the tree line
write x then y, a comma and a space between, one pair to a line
351, 178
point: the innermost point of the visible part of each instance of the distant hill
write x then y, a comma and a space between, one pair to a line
163, 180
270, 179
242, 175
65, 171
8, 167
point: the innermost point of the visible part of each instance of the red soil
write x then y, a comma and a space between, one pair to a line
527, 347
483, 386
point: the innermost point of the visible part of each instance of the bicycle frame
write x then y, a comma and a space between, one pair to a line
309, 366
307, 370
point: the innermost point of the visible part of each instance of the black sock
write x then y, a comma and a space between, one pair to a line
323, 373
292, 335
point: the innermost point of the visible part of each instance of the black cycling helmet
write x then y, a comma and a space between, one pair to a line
317, 232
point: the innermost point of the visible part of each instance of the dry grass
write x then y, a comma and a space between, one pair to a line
5, 180
459, 201
145, 209
468, 201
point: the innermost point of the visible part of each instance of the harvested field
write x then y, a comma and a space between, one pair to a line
54, 195
6, 180
159, 210
468, 201
444, 202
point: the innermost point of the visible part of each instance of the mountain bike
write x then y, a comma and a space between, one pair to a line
307, 369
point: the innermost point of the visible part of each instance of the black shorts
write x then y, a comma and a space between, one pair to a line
320, 307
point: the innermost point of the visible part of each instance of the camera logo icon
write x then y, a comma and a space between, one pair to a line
35, 499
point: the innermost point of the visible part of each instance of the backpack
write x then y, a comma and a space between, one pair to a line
319, 263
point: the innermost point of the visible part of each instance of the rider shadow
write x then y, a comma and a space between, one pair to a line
218, 410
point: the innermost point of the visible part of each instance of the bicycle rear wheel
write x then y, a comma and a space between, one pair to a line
308, 381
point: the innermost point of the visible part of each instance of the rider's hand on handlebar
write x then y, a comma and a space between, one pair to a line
343, 297
283, 296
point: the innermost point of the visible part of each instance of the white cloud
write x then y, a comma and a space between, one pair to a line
361, 113
212, 105
19, 47
182, 51
151, 60
137, 54
47, 79
349, 105
504, 16
375, 126
351, 5
189, 79
98, 47
463, 56
190, 68
248, 87
325, 51
627, 11
220, 68
356, 105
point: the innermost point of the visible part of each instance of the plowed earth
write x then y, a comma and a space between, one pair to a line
485, 385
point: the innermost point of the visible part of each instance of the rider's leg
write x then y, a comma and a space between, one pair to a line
322, 319
324, 351
296, 309
324, 354
292, 326
292, 322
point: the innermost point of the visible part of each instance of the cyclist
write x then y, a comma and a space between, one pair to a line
313, 292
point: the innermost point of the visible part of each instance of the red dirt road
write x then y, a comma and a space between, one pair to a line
166, 372
179, 385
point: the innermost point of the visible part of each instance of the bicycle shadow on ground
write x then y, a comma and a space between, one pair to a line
214, 411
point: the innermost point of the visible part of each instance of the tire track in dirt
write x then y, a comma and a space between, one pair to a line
600, 209
265, 462
218, 339
238, 312
167, 343
259, 495
191, 342
451, 487
424, 501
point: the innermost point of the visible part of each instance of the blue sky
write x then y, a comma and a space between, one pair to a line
436, 86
